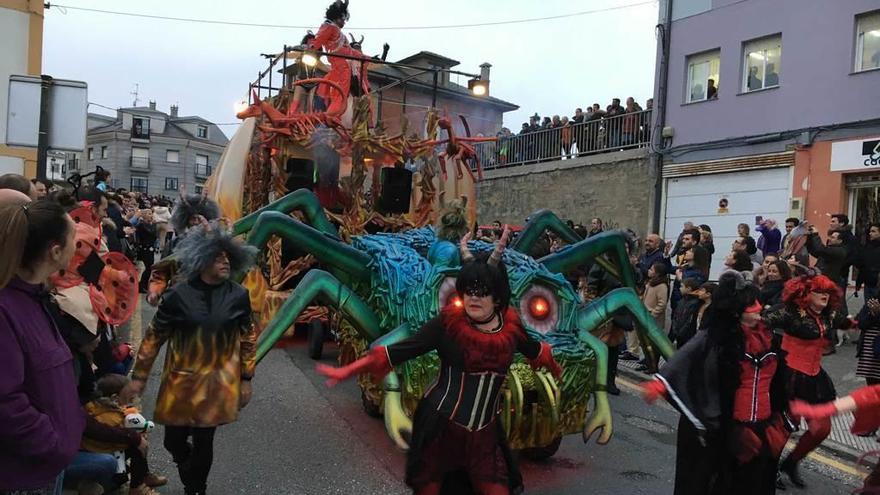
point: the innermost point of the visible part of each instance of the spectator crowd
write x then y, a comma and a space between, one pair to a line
585, 132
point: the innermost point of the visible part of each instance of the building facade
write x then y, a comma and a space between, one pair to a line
769, 105
21, 39
153, 152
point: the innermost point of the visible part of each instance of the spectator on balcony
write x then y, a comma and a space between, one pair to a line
544, 138
578, 129
613, 126
566, 137
597, 112
711, 90
556, 137
630, 122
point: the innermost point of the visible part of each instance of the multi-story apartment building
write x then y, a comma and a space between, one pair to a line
772, 106
151, 151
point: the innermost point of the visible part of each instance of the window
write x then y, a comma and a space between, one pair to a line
140, 128
761, 63
172, 156
202, 132
140, 184
91, 153
202, 167
140, 157
868, 41
702, 76
199, 189
105, 153
170, 183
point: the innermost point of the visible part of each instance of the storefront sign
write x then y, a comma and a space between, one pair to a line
855, 155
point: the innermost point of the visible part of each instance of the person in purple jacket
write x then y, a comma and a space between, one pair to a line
42, 422
770, 241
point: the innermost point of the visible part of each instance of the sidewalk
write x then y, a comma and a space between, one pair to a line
842, 368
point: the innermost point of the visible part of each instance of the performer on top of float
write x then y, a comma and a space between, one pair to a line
455, 428
350, 75
728, 383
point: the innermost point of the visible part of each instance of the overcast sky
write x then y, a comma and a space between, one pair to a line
549, 67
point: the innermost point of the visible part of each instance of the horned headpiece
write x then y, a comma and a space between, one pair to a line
356, 44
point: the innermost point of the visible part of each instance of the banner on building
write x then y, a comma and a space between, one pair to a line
855, 155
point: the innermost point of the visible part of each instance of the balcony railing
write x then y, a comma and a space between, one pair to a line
203, 170
140, 163
627, 131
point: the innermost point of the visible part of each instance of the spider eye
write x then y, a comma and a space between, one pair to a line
456, 301
539, 309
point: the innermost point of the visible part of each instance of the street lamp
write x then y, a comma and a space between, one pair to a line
478, 87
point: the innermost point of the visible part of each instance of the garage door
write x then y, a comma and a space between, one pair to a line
749, 194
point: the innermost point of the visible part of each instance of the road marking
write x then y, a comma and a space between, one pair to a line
815, 456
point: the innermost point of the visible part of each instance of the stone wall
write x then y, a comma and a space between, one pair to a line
616, 187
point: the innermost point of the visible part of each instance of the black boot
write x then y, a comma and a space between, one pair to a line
790, 468
612, 389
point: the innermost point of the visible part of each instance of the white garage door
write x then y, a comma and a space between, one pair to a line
749, 194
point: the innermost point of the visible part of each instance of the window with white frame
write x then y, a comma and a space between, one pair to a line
868, 41
170, 183
202, 166
105, 152
702, 76
172, 156
761, 63
202, 131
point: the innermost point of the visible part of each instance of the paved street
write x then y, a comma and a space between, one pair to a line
299, 437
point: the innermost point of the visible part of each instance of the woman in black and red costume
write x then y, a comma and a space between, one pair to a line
456, 436
728, 382
809, 312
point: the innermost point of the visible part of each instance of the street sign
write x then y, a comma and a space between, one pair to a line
67, 110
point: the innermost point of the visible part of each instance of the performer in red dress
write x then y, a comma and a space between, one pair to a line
865, 405
350, 75
809, 312
455, 427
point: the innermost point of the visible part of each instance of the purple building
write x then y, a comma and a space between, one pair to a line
761, 96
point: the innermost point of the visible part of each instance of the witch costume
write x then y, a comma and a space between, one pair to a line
457, 440
728, 382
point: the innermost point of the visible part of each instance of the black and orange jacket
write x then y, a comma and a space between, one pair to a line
211, 348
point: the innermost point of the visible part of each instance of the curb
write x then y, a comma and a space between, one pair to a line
829, 446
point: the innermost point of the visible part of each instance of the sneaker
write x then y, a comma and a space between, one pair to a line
153, 480
142, 490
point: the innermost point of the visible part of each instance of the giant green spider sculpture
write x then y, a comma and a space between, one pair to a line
386, 286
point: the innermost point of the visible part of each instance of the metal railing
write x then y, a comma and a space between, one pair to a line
607, 134
141, 163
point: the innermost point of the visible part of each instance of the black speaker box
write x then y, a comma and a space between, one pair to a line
300, 174
396, 190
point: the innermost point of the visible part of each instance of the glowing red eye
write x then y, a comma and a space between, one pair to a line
457, 302
539, 307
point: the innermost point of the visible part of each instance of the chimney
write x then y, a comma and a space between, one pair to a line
174, 111
152, 104
484, 71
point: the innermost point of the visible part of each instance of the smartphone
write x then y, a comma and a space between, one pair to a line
91, 268
758, 220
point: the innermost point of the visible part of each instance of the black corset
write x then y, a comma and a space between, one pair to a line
468, 399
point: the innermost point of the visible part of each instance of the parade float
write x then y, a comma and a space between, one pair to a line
377, 270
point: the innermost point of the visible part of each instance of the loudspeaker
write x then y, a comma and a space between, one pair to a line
396, 190
300, 174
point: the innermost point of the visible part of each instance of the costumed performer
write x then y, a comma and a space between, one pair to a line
728, 383
209, 364
454, 432
809, 311
865, 405
191, 210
